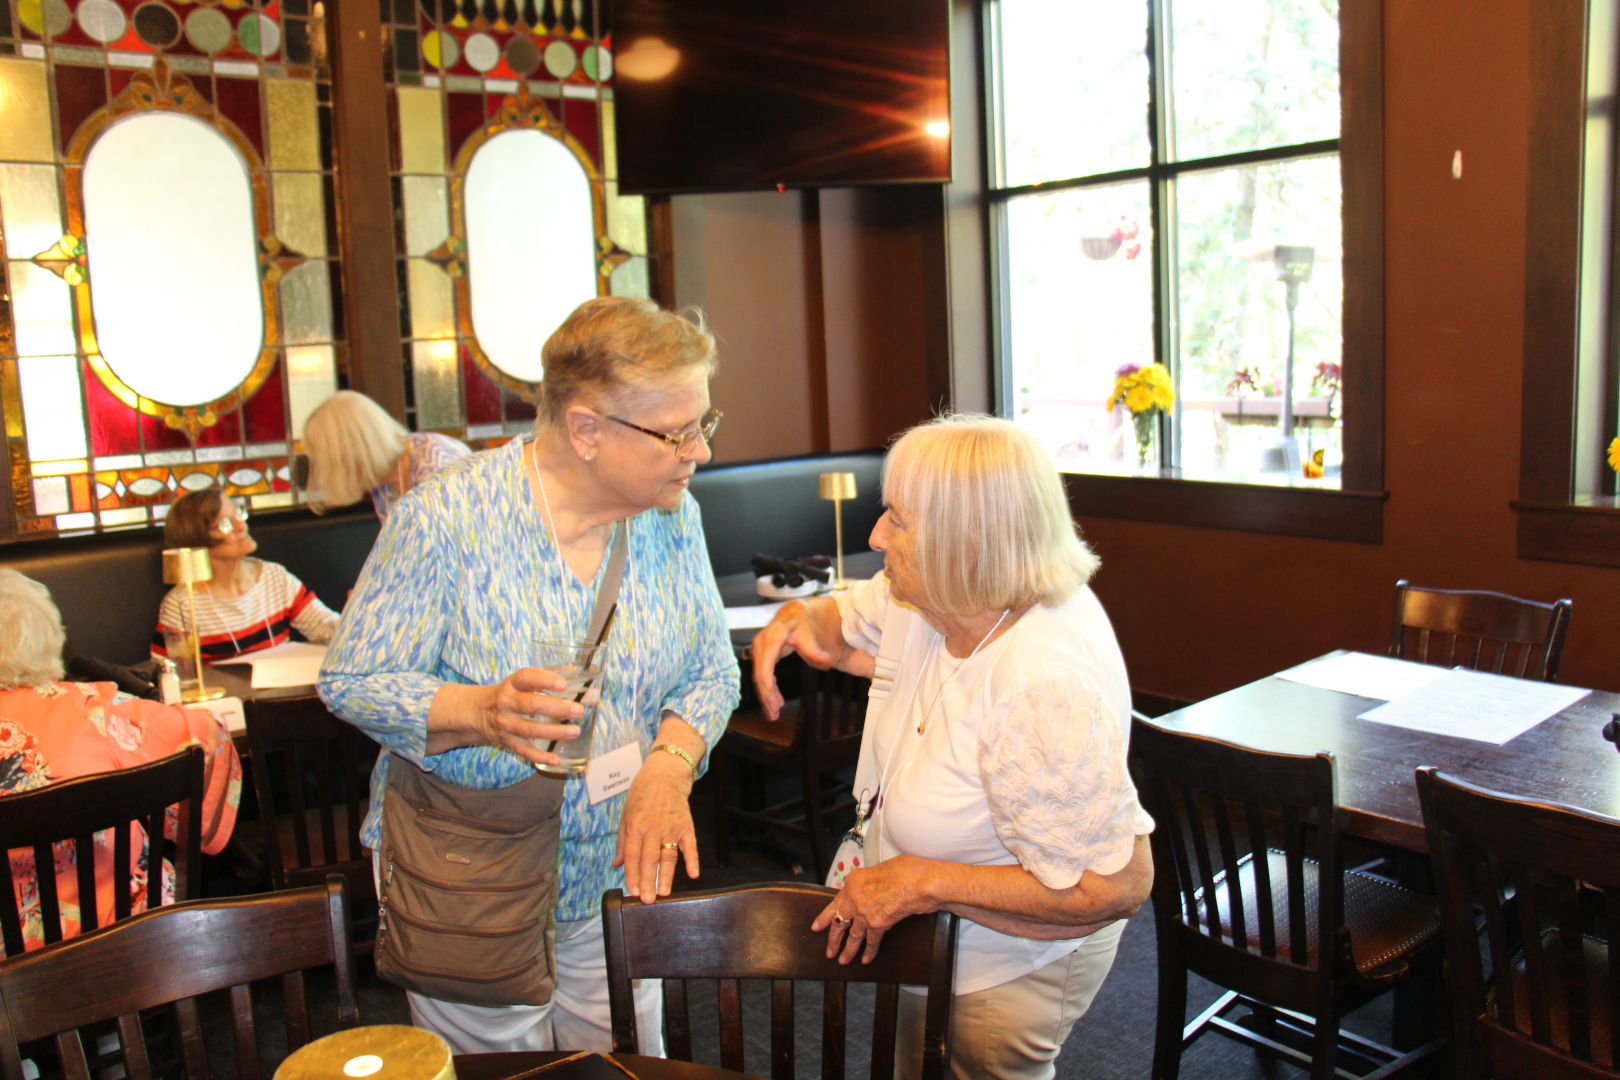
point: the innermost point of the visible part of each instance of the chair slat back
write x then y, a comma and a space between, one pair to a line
323, 766
60, 823
1547, 880
1485, 631
1237, 859
170, 955
762, 932
834, 704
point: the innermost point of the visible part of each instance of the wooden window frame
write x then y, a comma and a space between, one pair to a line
1553, 523
1356, 511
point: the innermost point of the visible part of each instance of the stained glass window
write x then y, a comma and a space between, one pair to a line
506, 191
169, 315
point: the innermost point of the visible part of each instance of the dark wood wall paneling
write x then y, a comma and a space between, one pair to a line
1549, 526
361, 116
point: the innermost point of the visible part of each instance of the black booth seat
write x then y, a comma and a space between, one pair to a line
108, 586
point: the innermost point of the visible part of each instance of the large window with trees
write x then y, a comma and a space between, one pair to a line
1167, 188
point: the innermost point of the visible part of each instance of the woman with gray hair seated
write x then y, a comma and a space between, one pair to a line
356, 449
993, 759
52, 730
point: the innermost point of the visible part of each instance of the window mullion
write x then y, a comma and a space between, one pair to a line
1161, 141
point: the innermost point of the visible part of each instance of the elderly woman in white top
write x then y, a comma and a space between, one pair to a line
995, 745
356, 449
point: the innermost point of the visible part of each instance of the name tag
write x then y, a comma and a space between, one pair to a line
610, 774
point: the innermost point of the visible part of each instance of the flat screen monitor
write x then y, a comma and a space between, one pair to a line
741, 95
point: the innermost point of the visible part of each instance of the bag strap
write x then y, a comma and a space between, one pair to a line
608, 594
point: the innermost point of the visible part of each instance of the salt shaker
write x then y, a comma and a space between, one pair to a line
168, 681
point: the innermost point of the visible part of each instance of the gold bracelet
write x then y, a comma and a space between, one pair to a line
682, 754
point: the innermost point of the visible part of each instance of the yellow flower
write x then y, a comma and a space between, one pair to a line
1156, 375
1139, 399
1614, 454
1163, 397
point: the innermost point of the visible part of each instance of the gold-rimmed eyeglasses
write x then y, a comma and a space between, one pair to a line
684, 442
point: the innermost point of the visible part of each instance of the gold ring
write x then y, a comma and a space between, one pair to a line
839, 920
673, 845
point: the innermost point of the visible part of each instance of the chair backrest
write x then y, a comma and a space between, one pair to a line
1227, 902
171, 955
294, 740
763, 932
1526, 637
834, 706
74, 811
1547, 879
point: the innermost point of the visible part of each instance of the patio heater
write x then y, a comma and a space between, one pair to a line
1293, 264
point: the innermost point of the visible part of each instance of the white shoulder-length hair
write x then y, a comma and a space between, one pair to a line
352, 445
993, 528
31, 636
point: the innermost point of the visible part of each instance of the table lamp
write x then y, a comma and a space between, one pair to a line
838, 486
187, 566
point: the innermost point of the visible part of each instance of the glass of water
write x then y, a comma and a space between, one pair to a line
580, 663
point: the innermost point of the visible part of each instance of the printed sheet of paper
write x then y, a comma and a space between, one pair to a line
1380, 678
752, 617
1476, 705
294, 663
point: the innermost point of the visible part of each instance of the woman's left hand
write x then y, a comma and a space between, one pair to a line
657, 813
870, 903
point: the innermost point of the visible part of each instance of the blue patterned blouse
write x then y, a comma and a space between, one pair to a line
463, 577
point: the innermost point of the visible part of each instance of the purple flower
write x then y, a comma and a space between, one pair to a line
1126, 369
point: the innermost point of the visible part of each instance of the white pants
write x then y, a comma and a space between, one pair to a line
577, 1018
1013, 1031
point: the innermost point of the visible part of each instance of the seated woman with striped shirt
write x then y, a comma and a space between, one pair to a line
250, 604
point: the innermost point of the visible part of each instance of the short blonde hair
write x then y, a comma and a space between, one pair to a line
622, 351
31, 636
352, 444
992, 523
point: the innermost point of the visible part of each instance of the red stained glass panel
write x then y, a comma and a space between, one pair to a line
80, 91
515, 407
118, 78
113, 425
483, 397
465, 115
265, 414
581, 121
227, 431
156, 435
238, 100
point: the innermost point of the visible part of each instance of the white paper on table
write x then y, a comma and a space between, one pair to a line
752, 617
1381, 678
293, 663
1477, 705
228, 709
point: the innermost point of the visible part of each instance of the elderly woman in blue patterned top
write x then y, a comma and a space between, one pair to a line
502, 547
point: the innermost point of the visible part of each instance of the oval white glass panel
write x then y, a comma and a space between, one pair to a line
174, 275
531, 242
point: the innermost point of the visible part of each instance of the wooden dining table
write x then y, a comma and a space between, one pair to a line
1563, 759
512, 1065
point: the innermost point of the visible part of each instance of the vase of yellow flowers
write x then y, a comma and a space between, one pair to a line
1145, 392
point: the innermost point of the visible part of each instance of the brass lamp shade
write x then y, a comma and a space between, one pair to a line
838, 485
186, 566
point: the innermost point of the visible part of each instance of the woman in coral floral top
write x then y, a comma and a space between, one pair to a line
52, 730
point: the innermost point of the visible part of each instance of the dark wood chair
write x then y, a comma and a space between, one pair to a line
763, 932
1451, 627
321, 767
820, 736
169, 956
76, 810
1547, 880
1249, 893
